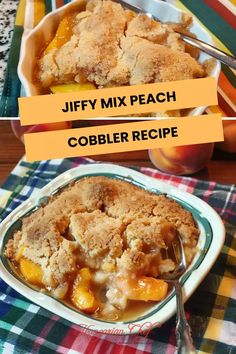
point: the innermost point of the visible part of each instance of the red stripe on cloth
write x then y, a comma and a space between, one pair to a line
127, 350
171, 346
207, 194
225, 106
226, 86
222, 11
186, 184
79, 340
104, 347
59, 3
70, 337
94, 346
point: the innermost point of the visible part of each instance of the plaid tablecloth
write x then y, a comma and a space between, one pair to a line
217, 16
27, 328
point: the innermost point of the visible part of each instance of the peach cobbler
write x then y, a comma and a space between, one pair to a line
97, 245
107, 45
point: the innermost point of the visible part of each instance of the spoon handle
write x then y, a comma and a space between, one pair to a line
183, 331
209, 49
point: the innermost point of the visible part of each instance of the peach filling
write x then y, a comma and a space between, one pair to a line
63, 34
32, 272
143, 288
82, 296
81, 292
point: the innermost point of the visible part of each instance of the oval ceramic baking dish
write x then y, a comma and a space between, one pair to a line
210, 242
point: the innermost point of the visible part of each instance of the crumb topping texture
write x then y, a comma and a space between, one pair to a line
112, 46
108, 225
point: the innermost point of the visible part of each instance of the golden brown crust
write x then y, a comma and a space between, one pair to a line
112, 46
102, 223
152, 231
97, 233
13, 245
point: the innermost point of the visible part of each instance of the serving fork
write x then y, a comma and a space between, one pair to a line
203, 46
175, 251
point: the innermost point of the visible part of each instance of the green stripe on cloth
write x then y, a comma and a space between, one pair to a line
11, 182
48, 5
214, 22
12, 85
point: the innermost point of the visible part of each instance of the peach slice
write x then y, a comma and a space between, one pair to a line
63, 34
72, 88
84, 277
143, 288
82, 297
31, 272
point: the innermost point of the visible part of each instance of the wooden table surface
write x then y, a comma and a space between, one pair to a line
221, 169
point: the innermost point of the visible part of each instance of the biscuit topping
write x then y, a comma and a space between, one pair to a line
111, 46
107, 229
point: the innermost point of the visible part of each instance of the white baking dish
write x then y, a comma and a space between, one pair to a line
210, 243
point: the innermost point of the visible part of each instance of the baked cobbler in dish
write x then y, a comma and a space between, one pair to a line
111, 46
107, 45
97, 245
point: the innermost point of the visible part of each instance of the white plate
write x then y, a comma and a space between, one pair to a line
210, 243
33, 43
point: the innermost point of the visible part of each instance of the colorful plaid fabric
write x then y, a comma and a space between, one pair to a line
211, 310
217, 16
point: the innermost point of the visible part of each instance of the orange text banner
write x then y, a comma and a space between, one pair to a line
123, 137
118, 101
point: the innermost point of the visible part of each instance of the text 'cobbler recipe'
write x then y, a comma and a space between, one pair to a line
121, 137
139, 135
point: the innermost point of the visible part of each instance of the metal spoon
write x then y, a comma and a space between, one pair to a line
203, 46
175, 251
